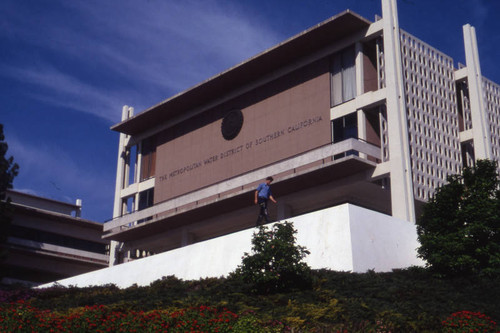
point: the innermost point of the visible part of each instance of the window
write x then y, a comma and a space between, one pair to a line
146, 199
345, 128
40, 236
131, 162
343, 79
148, 158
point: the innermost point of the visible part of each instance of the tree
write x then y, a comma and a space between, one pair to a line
8, 170
459, 230
276, 263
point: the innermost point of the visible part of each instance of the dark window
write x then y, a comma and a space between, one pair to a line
146, 199
131, 161
148, 159
56, 239
462, 99
345, 128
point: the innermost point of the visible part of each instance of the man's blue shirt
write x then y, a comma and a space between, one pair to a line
264, 190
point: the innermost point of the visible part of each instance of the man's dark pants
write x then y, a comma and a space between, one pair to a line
262, 202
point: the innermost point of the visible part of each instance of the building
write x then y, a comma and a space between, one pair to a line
349, 111
49, 241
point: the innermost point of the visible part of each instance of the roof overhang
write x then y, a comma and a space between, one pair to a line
55, 216
287, 52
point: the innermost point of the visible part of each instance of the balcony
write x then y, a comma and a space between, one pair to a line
326, 164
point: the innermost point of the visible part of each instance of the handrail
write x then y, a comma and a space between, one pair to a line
250, 171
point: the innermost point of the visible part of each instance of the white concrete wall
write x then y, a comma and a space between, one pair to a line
341, 238
381, 242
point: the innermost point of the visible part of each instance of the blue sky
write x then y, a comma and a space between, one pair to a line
68, 67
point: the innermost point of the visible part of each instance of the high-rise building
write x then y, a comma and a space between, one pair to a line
349, 111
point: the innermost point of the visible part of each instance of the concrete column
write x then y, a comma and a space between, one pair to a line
113, 253
121, 171
479, 116
187, 237
120, 167
284, 211
359, 91
401, 180
138, 163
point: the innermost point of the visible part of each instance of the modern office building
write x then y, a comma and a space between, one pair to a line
48, 241
349, 111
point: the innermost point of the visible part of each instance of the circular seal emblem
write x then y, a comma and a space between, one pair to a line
231, 124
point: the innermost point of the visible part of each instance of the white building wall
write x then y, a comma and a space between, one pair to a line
341, 238
380, 242
492, 101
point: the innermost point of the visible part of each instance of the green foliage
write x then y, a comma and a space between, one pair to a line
249, 323
276, 263
409, 300
459, 230
8, 170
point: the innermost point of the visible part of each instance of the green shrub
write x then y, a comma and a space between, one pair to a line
276, 262
459, 230
408, 300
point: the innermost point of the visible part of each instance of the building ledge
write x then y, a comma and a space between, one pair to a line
319, 166
57, 251
55, 216
466, 136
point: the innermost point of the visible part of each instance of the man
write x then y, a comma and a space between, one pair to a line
262, 194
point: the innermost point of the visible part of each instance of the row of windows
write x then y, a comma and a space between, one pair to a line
421, 143
418, 70
413, 46
432, 122
40, 236
422, 88
493, 108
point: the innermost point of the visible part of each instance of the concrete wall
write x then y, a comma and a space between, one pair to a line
342, 238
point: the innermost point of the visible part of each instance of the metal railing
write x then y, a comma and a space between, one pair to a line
326, 151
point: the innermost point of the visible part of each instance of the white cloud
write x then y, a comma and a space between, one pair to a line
173, 45
131, 52
59, 89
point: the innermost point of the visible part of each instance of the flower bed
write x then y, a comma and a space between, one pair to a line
21, 317
468, 322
